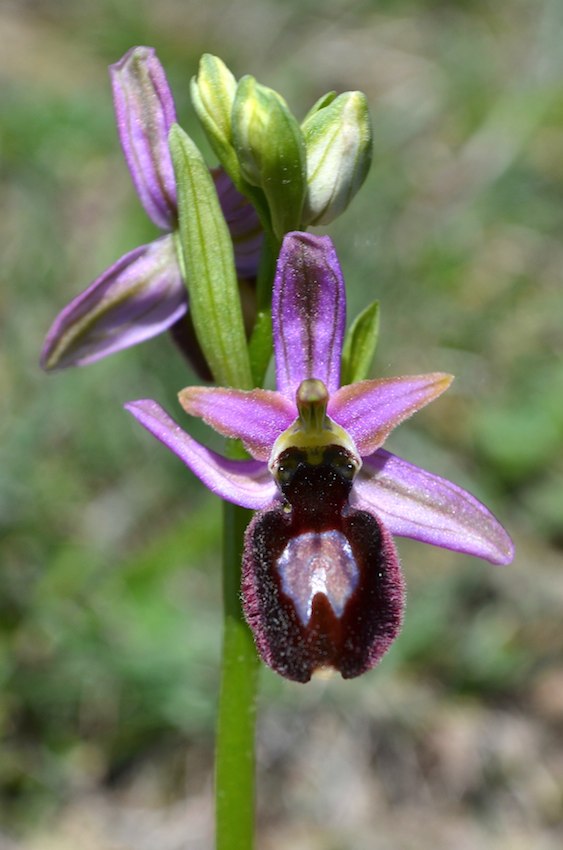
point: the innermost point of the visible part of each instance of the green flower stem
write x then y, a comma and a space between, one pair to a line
234, 755
234, 746
267, 270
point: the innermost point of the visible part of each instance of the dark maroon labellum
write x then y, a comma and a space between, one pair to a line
322, 585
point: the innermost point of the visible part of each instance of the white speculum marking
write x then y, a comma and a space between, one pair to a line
318, 562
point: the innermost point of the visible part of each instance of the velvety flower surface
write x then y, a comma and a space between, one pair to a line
322, 585
143, 293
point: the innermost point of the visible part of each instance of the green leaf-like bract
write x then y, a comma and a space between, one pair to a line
360, 344
209, 266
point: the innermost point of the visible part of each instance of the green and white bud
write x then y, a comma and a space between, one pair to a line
338, 140
271, 151
213, 93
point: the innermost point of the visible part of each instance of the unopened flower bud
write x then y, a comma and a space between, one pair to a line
271, 151
338, 140
213, 93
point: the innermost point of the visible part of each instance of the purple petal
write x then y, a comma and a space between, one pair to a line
144, 111
245, 482
370, 410
243, 223
414, 503
257, 417
137, 298
308, 313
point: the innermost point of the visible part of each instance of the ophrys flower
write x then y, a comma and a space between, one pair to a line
322, 585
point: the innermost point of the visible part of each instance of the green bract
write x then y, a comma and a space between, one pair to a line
209, 266
360, 344
271, 151
338, 140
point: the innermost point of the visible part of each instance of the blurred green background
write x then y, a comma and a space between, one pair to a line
109, 590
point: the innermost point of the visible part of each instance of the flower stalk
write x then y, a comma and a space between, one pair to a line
234, 747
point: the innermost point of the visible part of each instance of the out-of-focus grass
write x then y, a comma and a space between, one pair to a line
109, 596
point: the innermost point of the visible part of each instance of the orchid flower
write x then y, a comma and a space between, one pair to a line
143, 293
322, 584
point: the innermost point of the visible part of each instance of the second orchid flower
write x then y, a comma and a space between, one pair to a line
143, 293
